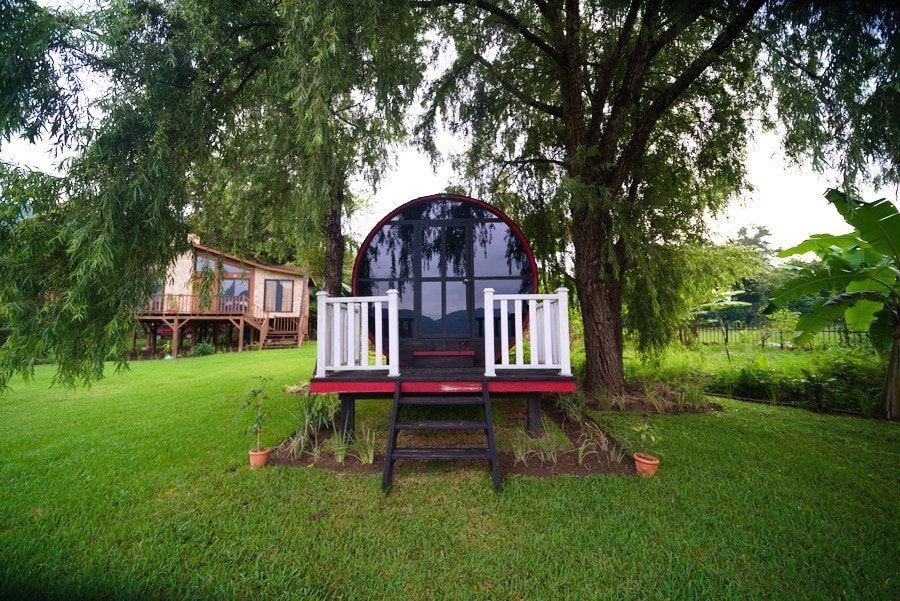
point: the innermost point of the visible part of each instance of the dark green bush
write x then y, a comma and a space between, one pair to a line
203, 349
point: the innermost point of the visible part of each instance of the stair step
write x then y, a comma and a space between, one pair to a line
440, 400
440, 424
446, 454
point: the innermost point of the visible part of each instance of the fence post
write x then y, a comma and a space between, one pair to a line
489, 368
322, 333
393, 334
565, 362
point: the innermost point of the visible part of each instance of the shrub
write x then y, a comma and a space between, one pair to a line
203, 349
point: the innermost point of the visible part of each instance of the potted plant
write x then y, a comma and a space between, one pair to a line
645, 463
255, 398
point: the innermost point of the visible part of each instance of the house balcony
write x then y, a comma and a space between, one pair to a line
190, 304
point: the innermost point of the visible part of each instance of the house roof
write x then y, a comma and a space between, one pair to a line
294, 271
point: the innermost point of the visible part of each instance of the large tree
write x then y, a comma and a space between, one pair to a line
314, 90
628, 120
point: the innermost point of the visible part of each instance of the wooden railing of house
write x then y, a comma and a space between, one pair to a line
547, 331
285, 324
343, 327
190, 304
172, 303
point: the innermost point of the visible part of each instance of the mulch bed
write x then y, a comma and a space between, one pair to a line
514, 414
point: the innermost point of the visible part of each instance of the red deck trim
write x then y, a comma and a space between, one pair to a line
534, 386
443, 353
382, 386
333, 387
441, 386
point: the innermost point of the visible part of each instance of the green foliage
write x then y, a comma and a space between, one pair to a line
312, 94
833, 379
863, 268
545, 449
316, 413
645, 432
364, 445
779, 326
203, 349
693, 274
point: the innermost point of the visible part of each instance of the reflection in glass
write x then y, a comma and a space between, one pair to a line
204, 263
431, 252
234, 269
456, 252
498, 251
457, 309
389, 253
432, 317
235, 288
440, 209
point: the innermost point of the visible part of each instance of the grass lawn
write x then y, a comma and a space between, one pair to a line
138, 488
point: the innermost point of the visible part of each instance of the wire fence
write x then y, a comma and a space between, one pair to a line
770, 337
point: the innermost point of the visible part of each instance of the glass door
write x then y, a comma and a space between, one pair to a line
444, 297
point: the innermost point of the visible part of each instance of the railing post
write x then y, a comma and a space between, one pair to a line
393, 333
489, 367
565, 362
321, 334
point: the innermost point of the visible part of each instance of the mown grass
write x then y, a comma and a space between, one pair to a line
138, 488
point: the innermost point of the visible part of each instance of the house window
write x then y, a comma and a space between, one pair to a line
279, 296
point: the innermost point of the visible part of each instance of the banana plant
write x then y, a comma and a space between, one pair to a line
863, 269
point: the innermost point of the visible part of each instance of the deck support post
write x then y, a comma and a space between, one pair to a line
348, 417
535, 428
176, 337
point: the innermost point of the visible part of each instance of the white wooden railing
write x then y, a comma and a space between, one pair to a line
547, 331
343, 330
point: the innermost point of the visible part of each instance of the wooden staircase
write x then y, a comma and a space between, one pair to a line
280, 339
440, 400
279, 332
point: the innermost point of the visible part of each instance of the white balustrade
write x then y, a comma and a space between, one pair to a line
547, 331
343, 334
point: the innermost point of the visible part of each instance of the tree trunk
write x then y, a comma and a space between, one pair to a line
892, 382
600, 297
334, 239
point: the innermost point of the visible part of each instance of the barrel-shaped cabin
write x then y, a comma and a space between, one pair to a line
444, 300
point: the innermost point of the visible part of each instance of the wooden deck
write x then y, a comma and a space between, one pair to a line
351, 386
444, 379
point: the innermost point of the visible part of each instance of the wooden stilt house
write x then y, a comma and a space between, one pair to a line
445, 311
247, 303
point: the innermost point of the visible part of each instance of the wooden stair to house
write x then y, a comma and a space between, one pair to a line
280, 340
280, 332
433, 400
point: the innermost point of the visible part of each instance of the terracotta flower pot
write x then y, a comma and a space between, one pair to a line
646, 464
259, 458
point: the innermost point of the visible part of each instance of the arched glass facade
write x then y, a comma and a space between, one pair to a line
440, 253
